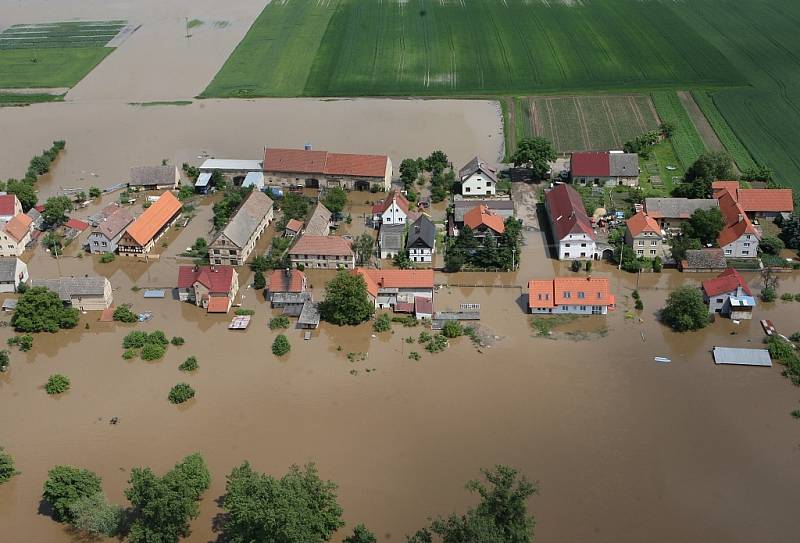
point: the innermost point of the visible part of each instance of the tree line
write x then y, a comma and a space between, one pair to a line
298, 507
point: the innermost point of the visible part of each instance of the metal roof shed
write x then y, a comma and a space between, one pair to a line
202, 180
742, 357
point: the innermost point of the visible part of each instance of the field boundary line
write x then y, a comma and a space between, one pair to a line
612, 124
553, 128
637, 114
535, 120
582, 123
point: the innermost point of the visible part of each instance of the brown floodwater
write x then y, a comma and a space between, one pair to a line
625, 449
685, 451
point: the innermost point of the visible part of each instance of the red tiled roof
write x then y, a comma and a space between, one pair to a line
376, 279
321, 245
217, 279
39, 207
737, 223
383, 205
8, 204
591, 163
76, 224
641, 222
423, 305
404, 307
283, 281
567, 212
727, 281
218, 304
294, 225
722, 186
569, 291
154, 218
324, 163
481, 215
766, 200
18, 226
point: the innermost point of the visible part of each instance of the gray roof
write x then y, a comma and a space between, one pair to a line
319, 223
623, 164
503, 208
391, 237
291, 297
153, 175
742, 357
309, 314
231, 164
115, 223
706, 259
473, 166
247, 218
676, 208
69, 287
422, 232
8, 269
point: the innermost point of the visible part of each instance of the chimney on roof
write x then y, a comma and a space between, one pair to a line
288, 272
213, 268
307, 147
741, 217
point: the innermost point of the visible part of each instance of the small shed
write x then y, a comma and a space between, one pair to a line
309, 317
742, 357
254, 179
153, 293
203, 183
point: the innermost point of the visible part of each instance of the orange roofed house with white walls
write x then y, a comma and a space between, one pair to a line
574, 295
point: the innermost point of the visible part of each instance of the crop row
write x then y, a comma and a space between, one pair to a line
735, 148
685, 139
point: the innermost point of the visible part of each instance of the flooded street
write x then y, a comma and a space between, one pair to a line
625, 449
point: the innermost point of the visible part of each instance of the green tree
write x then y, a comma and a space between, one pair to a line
65, 485
190, 364
454, 260
764, 174
705, 225
278, 322
182, 392
57, 384
680, 244
769, 280
95, 192
163, 506
55, 210
409, 171
360, 535
260, 263
382, 323
534, 153
123, 313
259, 281
667, 129
437, 161
293, 206
346, 300
771, 245
5, 361
501, 516
96, 517
790, 231
40, 310
281, 345
401, 260
685, 310
25, 191
452, 329
217, 180
363, 247
297, 508
711, 165
335, 199
7, 470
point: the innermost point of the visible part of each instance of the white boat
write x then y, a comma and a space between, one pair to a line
662, 359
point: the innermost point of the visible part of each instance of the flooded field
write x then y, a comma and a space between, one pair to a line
635, 450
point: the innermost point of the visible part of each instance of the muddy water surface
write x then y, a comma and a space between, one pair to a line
632, 449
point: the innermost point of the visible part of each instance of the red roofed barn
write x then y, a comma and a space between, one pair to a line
605, 168
211, 287
322, 169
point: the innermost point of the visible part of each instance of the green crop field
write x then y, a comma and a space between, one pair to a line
53, 54
685, 139
479, 47
762, 39
580, 123
733, 146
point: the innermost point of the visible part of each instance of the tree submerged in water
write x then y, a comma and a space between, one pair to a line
41, 310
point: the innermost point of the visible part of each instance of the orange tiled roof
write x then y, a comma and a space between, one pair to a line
737, 223
383, 205
294, 225
481, 215
376, 279
321, 245
283, 281
722, 186
154, 218
641, 222
18, 226
766, 200
570, 291
218, 304
323, 162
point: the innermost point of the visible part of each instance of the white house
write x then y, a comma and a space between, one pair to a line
15, 235
739, 238
571, 227
421, 241
392, 210
13, 272
729, 295
477, 179
403, 291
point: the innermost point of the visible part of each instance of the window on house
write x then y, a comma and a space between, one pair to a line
567, 295
641, 243
745, 252
566, 245
719, 300
654, 243
639, 252
652, 251
728, 252
566, 255
583, 245
747, 245
466, 189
